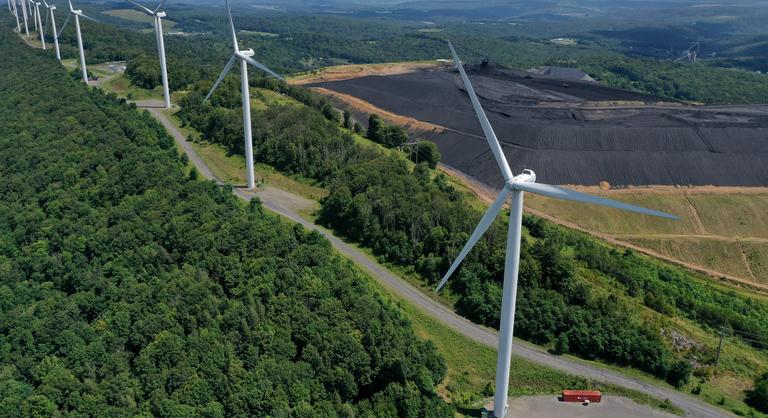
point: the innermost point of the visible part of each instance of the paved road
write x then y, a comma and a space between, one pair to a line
284, 203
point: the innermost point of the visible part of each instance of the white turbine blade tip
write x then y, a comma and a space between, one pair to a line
89, 18
223, 74
490, 135
485, 222
572, 195
140, 6
260, 66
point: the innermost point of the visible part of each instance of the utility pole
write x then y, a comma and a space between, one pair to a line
720, 346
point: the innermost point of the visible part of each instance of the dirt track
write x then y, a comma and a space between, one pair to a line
346, 72
556, 129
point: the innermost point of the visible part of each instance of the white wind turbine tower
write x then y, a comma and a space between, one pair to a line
78, 14
158, 15
24, 11
515, 186
34, 14
50, 14
245, 57
39, 24
16, 14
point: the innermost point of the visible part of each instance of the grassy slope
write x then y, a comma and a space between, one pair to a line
720, 239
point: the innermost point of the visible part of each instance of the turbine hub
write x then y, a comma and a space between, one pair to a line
527, 176
248, 52
160, 14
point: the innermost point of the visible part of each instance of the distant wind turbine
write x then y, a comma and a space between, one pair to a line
24, 11
157, 14
50, 14
78, 14
39, 24
515, 186
245, 57
16, 14
34, 14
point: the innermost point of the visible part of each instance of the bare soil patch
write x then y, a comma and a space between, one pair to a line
346, 72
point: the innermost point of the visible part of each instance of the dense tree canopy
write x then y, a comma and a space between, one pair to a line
127, 288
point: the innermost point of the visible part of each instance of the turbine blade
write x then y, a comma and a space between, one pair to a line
232, 26
162, 2
46, 4
89, 18
71, 8
260, 66
45, 28
572, 195
490, 135
485, 223
224, 73
141, 7
66, 21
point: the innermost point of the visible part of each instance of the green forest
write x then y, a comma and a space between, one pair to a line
128, 288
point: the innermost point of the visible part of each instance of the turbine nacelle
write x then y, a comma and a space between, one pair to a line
245, 53
527, 176
160, 14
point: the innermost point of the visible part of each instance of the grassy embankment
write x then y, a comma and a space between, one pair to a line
723, 230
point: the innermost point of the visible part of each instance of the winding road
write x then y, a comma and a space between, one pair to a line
288, 204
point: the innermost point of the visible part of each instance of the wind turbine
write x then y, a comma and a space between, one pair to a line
34, 14
78, 14
515, 186
50, 14
16, 14
158, 15
24, 11
245, 57
39, 24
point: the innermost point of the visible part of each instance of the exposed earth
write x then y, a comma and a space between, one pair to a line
570, 132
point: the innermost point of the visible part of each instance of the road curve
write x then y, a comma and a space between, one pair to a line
272, 200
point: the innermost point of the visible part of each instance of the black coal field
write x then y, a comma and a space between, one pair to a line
573, 132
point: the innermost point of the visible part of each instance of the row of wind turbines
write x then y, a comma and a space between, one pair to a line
514, 185
31, 8
245, 57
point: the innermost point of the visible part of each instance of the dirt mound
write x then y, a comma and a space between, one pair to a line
555, 129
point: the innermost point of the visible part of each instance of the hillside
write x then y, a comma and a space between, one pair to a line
129, 288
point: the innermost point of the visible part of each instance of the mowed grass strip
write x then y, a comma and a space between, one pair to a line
138, 16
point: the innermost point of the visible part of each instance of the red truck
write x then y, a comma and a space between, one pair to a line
583, 396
